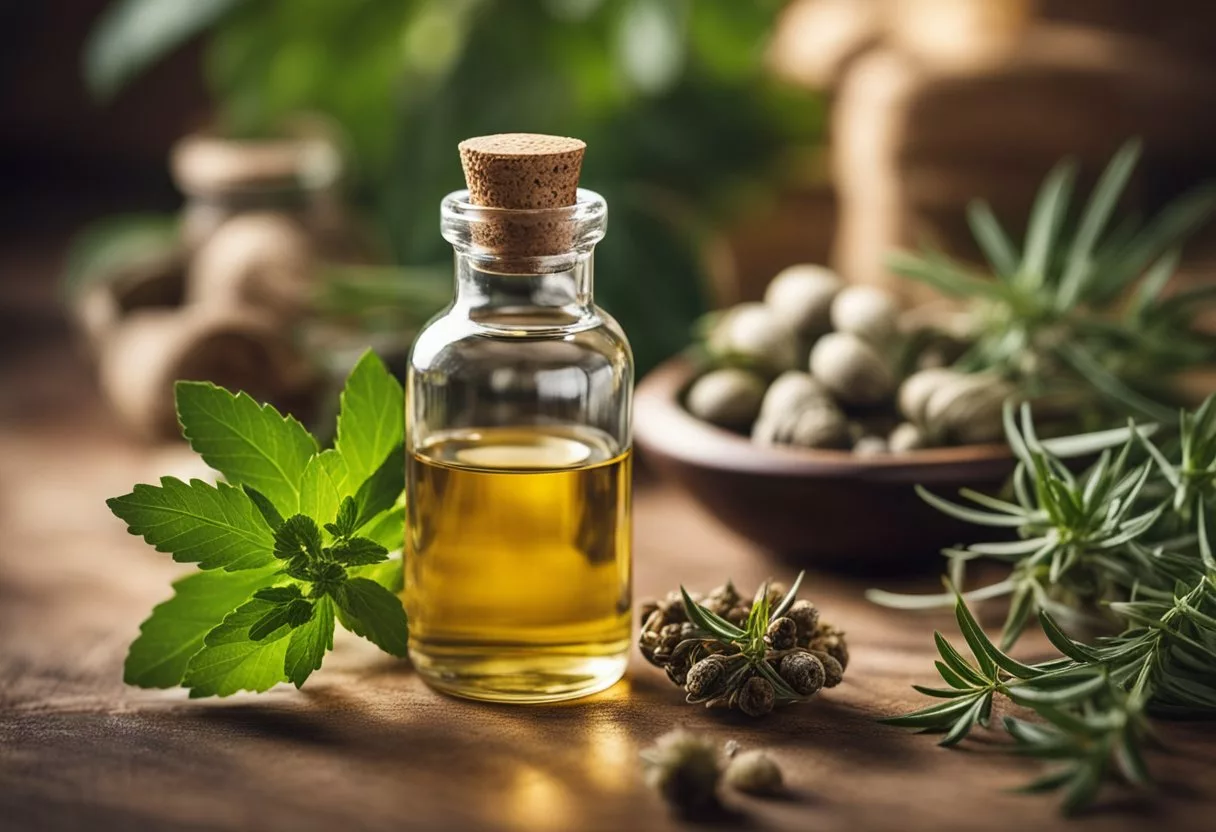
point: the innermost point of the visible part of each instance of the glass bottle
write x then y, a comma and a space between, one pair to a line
518, 408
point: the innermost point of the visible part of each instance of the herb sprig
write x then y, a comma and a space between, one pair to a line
294, 540
1125, 547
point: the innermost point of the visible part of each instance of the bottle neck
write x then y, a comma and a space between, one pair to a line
528, 301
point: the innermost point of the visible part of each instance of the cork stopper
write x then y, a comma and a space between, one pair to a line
523, 171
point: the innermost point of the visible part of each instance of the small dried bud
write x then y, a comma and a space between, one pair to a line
831, 641
803, 672
669, 637
738, 615
806, 616
756, 697
654, 622
707, 678
782, 634
833, 673
684, 768
687, 631
648, 643
648, 608
754, 772
722, 598
677, 669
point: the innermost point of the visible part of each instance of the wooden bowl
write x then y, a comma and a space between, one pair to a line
815, 508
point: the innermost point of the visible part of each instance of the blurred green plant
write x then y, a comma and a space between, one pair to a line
1083, 305
670, 95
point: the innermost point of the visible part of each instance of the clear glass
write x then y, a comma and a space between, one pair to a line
518, 406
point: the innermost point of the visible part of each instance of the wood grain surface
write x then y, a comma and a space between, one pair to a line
367, 745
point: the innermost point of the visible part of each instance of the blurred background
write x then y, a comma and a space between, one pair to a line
247, 190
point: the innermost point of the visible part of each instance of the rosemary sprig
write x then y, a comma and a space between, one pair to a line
1053, 318
1128, 545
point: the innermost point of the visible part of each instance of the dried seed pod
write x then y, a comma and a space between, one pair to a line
806, 616
914, 393
646, 609
906, 437
819, 425
729, 397
750, 333
801, 297
969, 409
833, 673
852, 369
648, 643
722, 598
738, 615
684, 768
803, 672
782, 634
866, 311
756, 696
794, 390
707, 678
754, 772
831, 641
670, 636
870, 446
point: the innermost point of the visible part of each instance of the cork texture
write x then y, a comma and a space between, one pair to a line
522, 171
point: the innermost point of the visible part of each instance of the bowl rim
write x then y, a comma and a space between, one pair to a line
663, 428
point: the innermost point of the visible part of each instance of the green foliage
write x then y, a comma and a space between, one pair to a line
1083, 305
1123, 548
264, 612
670, 96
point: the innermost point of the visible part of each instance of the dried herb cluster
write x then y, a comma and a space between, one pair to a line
751, 655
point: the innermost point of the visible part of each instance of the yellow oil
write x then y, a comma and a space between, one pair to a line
518, 558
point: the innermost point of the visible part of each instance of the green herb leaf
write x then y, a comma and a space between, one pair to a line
248, 443
323, 485
369, 610
230, 661
266, 508
309, 643
297, 536
358, 551
344, 524
174, 632
216, 527
291, 614
390, 574
379, 492
370, 423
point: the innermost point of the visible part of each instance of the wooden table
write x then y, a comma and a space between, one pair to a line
366, 745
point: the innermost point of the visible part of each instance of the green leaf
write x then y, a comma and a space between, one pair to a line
983, 518
380, 491
213, 526
389, 573
344, 523
174, 632
131, 35
291, 614
967, 721
1032, 696
1076, 652
992, 238
955, 661
358, 551
710, 621
298, 535
367, 609
981, 647
1093, 222
248, 443
230, 661
266, 508
309, 643
388, 528
323, 485
1046, 217
934, 717
789, 598
280, 594
371, 420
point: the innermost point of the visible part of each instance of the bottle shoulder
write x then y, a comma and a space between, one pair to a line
452, 337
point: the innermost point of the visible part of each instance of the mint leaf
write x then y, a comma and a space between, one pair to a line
344, 523
291, 614
323, 485
358, 551
213, 526
389, 574
367, 609
379, 492
269, 513
371, 419
297, 536
308, 644
279, 594
249, 444
230, 661
388, 529
174, 632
